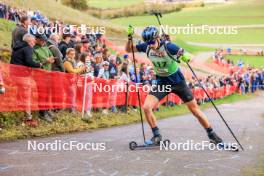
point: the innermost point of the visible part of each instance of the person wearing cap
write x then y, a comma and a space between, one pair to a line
104, 71
105, 74
42, 54
33, 27
85, 45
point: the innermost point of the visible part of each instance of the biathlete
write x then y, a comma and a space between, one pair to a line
164, 54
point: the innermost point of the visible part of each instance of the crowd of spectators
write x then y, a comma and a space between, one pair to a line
249, 79
66, 52
71, 52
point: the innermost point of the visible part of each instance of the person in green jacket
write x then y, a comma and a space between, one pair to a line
43, 55
41, 52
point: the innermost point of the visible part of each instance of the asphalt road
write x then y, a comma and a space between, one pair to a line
117, 160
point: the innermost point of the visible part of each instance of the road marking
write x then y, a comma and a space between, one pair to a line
166, 161
217, 159
57, 171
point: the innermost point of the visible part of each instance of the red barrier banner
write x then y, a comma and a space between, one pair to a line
37, 89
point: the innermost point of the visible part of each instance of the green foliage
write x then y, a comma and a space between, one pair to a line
191, 48
138, 10
236, 13
107, 4
76, 4
6, 28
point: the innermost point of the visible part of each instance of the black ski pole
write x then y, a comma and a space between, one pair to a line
158, 16
138, 94
217, 110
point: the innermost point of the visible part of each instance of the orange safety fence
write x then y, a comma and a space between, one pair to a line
37, 89
224, 67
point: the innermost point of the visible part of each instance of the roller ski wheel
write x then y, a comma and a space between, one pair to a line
147, 144
132, 145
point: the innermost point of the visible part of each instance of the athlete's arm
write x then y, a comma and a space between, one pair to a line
128, 47
137, 48
179, 52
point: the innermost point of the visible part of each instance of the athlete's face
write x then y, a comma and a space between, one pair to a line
154, 44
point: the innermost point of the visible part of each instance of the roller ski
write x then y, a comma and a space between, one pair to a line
220, 144
152, 143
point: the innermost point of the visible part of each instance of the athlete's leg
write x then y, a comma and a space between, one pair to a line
150, 102
184, 92
196, 111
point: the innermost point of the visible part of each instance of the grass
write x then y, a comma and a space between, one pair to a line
254, 61
55, 10
6, 28
191, 48
104, 4
243, 36
66, 123
238, 13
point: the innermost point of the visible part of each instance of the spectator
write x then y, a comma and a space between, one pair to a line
78, 50
124, 76
23, 51
70, 63
133, 76
20, 30
23, 55
118, 59
124, 73
104, 71
104, 51
65, 44
143, 74
42, 54
113, 67
34, 26
2, 11
52, 44
98, 60
71, 67
2, 88
85, 45
84, 57
85, 60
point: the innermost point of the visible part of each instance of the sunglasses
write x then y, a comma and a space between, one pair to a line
151, 42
